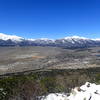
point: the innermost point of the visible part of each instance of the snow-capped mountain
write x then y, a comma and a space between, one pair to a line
10, 37
67, 42
76, 41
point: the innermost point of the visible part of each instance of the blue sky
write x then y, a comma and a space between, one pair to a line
50, 18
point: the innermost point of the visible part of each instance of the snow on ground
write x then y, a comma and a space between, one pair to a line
89, 91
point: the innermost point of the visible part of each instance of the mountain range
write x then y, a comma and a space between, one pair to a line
67, 42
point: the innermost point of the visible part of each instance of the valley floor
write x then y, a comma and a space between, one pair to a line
19, 59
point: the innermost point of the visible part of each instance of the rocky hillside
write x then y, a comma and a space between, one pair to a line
30, 85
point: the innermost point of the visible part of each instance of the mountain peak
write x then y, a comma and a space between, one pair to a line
12, 37
75, 37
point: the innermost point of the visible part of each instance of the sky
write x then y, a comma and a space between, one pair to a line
50, 18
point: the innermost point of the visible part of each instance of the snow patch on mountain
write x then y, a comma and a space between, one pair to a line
76, 37
11, 37
97, 39
31, 39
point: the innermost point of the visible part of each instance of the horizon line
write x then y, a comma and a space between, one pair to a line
66, 37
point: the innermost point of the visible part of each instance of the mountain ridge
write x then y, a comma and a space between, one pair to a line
67, 42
